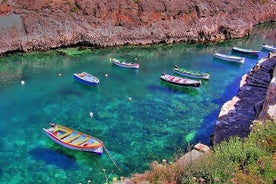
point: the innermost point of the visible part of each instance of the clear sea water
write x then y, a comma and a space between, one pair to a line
139, 118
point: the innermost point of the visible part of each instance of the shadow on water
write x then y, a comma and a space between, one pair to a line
69, 92
175, 88
54, 157
229, 91
205, 135
86, 87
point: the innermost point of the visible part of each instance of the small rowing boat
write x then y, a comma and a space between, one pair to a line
125, 64
230, 58
270, 48
179, 80
190, 73
86, 78
74, 139
245, 51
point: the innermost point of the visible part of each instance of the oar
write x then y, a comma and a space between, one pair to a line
112, 159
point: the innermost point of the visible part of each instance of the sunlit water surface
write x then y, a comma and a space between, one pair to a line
139, 118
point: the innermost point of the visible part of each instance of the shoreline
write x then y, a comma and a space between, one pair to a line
255, 100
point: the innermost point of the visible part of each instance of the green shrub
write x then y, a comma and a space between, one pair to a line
238, 160
264, 135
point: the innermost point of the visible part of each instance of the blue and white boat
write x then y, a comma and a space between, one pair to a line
230, 58
86, 78
270, 48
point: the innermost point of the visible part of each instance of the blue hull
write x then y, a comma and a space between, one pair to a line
85, 81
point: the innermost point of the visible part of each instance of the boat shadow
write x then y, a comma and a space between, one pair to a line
85, 86
167, 87
55, 157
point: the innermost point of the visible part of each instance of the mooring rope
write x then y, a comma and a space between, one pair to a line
112, 159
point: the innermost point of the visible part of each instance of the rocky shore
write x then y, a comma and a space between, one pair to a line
41, 25
255, 100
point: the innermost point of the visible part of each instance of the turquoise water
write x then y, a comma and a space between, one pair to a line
139, 118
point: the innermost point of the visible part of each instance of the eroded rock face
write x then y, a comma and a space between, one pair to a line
269, 106
40, 25
256, 99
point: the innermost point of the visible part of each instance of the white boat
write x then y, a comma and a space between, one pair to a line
270, 48
191, 73
245, 51
230, 58
180, 81
125, 64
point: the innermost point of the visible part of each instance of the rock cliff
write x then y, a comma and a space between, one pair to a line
255, 100
40, 25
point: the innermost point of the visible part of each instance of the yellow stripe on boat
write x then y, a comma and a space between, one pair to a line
61, 136
71, 138
80, 141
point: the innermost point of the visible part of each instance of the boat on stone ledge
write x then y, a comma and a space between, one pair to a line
73, 139
180, 81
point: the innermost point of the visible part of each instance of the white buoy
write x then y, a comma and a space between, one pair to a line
22, 82
106, 75
129, 98
91, 114
59, 74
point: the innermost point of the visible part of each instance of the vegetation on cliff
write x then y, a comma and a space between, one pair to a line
249, 160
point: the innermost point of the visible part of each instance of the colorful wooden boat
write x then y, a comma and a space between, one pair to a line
86, 78
230, 58
73, 139
190, 73
125, 64
245, 51
270, 48
180, 81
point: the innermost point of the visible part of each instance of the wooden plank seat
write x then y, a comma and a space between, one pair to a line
71, 137
89, 141
61, 136
80, 140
